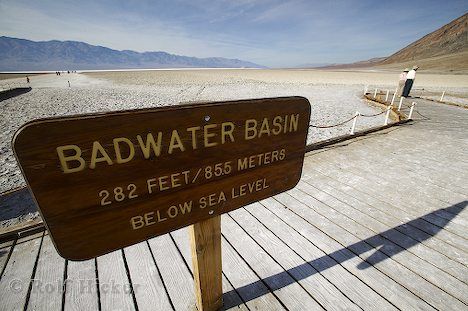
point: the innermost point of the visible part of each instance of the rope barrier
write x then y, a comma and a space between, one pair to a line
372, 115
329, 126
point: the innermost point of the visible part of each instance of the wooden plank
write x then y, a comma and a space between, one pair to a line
16, 278
392, 216
402, 169
205, 242
256, 296
81, 291
115, 290
148, 287
426, 223
406, 228
374, 278
5, 251
308, 274
354, 179
48, 284
291, 294
412, 281
406, 243
131, 175
420, 267
410, 186
231, 298
176, 277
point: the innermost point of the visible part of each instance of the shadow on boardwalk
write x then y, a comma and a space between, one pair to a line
384, 249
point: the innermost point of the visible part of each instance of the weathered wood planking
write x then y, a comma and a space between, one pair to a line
363, 185
176, 277
428, 223
5, 251
429, 272
291, 294
231, 298
311, 280
389, 195
128, 176
377, 280
16, 278
148, 287
409, 279
428, 195
404, 172
344, 194
400, 240
49, 285
115, 287
81, 290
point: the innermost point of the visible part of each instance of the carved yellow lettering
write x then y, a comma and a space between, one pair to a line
137, 222
293, 122
264, 129
186, 208
149, 218
150, 144
242, 164
193, 130
207, 135
97, 148
65, 159
175, 142
277, 125
226, 130
250, 127
118, 151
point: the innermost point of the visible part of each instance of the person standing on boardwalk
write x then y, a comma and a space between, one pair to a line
409, 81
401, 82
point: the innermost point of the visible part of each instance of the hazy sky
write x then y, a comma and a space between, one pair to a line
269, 32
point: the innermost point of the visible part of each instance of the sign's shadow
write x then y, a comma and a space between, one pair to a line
383, 249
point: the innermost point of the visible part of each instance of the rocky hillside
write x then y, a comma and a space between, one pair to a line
449, 39
443, 51
24, 55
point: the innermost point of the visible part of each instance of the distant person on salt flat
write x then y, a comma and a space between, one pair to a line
409, 81
27, 79
402, 81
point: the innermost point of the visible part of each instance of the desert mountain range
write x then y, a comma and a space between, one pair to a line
24, 55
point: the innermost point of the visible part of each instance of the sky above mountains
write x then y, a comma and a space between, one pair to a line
269, 32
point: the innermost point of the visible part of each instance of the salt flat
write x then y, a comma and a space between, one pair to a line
334, 96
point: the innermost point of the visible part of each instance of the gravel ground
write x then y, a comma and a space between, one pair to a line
334, 96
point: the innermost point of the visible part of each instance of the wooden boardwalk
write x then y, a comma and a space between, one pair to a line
376, 223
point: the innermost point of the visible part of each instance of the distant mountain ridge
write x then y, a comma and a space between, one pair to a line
23, 55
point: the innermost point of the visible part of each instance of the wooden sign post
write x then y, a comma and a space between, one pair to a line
106, 181
205, 240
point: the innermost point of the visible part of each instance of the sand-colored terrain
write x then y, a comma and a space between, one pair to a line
334, 96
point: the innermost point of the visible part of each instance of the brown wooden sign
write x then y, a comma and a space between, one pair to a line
110, 180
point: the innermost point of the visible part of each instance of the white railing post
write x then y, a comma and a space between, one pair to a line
365, 90
411, 110
386, 96
354, 122
387, 116
394, 95
375, 92
442, 97
401, 103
